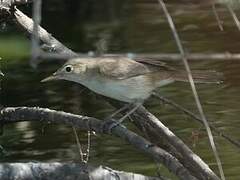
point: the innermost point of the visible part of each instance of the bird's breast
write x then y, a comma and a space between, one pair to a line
127, 90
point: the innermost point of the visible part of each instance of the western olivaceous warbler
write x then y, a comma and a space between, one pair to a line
125, 79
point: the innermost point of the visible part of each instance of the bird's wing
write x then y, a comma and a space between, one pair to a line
154, 63
121, 68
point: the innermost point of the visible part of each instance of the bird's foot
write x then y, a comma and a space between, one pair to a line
108, 118
110, 124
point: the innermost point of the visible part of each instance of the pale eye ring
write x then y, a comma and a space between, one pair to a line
68, 68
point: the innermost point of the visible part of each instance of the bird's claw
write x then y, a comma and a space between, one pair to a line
109, 124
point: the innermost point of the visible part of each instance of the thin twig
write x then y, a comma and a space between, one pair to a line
219, 22
1, 73
37, 6
196, 97
78, 144
160, 56
234, 16
88, 146
192, 115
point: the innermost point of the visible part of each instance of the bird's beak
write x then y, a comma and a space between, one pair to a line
50, 78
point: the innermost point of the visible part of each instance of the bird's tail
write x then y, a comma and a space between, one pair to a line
200, 76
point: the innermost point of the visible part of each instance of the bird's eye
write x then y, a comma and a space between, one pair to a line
68, 68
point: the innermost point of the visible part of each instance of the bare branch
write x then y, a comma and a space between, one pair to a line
234, 16
78, 144
59, 171
190, 158
37, 16
219, 22
160, 56
17, 114
52, 44
9, 3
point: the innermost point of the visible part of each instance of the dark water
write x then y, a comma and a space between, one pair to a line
137, 27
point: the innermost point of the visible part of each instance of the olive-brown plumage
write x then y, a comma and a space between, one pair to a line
125, 79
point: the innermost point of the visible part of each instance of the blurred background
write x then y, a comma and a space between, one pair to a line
136, 26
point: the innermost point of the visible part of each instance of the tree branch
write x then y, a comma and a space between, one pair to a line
51, 43
59, 171
190, 159
10, 3
17, 114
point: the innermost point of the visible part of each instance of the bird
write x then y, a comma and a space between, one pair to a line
125, 79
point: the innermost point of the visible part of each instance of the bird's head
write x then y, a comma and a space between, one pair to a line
72, 70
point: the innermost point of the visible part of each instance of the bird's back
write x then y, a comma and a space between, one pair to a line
127, 80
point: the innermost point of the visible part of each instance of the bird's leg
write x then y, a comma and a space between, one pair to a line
119, 110
136, 106
118, 122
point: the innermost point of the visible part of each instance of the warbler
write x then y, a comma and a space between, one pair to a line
125, 79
